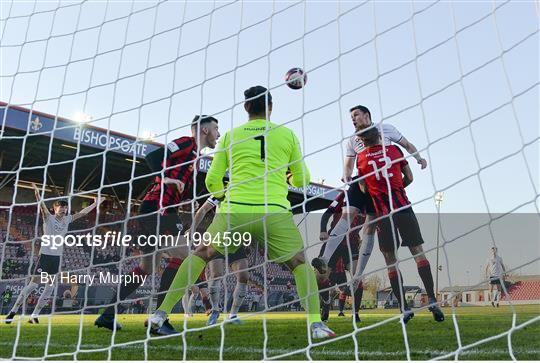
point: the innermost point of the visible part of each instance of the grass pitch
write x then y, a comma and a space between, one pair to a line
64, 337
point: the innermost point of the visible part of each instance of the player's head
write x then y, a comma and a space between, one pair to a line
205, 129
60, 207
258, 102
370, 136
361, 117
494, 251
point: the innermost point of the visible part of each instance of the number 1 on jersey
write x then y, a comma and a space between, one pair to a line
262, 140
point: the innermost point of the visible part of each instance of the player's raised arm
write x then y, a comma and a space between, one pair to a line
299, 171
220, 163
154, 160
44, 210
86, 210
411, 149
348, 167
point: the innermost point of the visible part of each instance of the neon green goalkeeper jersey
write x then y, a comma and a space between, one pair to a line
247, 152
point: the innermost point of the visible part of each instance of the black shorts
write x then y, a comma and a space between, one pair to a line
201, 281
495, 280
169, 224
406, 229
338, 278
236, 256
47, 263
359, 199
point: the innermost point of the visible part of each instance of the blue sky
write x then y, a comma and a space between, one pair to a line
459, 80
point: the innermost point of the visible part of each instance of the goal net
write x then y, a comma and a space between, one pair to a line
90, 89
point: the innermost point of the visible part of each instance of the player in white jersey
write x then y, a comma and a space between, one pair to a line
359, 202
49, 255
495, 271
239, 264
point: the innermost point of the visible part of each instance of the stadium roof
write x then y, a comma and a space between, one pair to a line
89, 157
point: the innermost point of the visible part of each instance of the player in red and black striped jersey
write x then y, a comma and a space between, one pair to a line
382, 168
174, 168
341, 259
392, 163
357, 201
168, 192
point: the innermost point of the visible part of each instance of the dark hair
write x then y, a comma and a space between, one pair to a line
200, 120
364, 109
370, 135
61, 203
256, 100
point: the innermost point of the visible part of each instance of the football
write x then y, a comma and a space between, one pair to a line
296, 78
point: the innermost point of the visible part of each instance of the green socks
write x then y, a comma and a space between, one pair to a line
306, 283
184, 278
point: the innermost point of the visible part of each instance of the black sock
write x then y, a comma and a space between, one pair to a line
167, 278
206, 302
342, 298
424, 270
398, 292
358, 297
125, 290
325, 306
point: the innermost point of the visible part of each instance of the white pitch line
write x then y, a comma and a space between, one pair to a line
329, 353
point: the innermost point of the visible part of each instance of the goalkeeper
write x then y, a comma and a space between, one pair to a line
257, 155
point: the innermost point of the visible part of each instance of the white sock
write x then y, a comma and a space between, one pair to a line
365, 253
337, 235
215, 292
47, 292
23, 295
238, 297
185, 303
192, 300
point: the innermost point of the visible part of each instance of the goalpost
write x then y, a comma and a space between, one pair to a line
459, 80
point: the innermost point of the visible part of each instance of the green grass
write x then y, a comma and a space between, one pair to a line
286, 332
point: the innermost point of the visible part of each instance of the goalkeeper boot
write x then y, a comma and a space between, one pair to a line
212, 319
33, 319
357, 318
438, 315
341, 313
320, 265
319, 330
165, 329
157, 319
9, 317
160, 325
107, 321
407, 315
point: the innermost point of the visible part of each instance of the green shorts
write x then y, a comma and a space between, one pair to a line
250, 224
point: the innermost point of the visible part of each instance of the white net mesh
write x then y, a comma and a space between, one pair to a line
458, 80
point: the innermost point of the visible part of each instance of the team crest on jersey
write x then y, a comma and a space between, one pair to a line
358, 145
